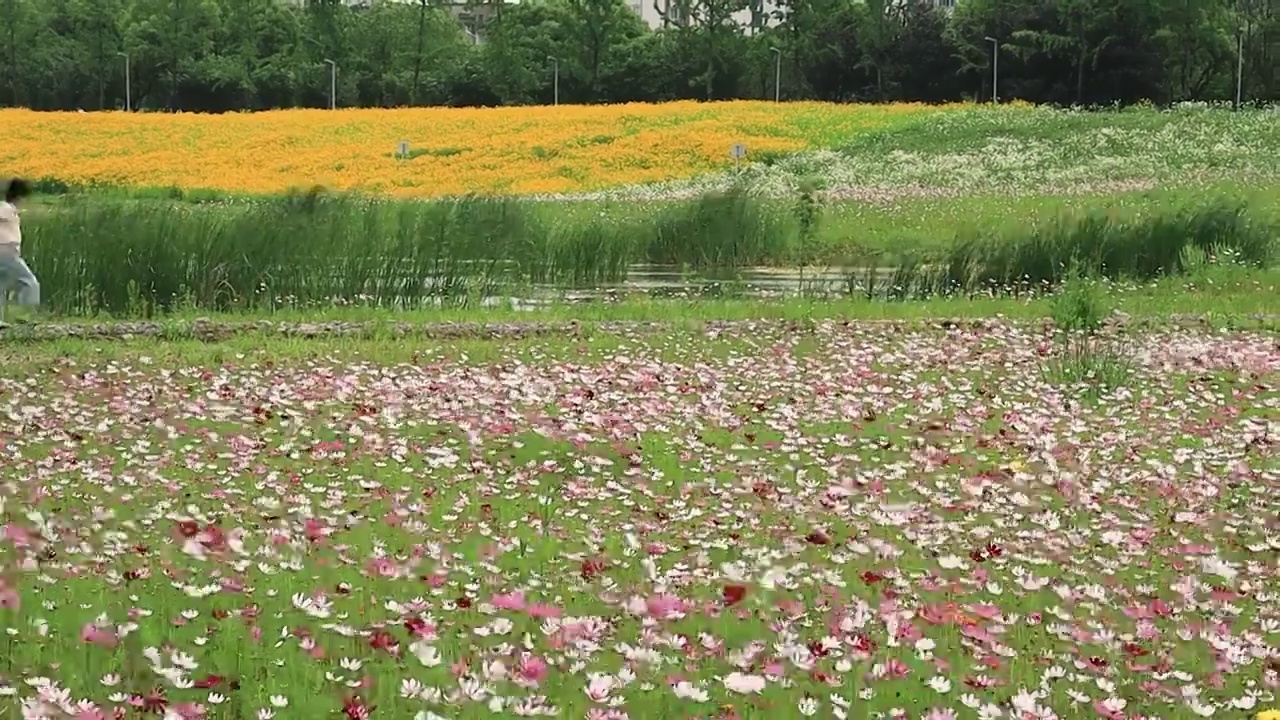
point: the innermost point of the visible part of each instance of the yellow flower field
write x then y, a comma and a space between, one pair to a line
452, 150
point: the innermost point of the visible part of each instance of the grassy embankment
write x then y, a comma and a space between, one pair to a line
958, 202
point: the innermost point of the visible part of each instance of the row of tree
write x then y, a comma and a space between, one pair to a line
218, 55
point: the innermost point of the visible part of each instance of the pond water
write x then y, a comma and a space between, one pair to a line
660, 281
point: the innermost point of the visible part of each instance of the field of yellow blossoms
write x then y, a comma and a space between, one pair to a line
451, 150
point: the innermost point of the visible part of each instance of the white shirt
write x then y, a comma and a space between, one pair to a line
10, 228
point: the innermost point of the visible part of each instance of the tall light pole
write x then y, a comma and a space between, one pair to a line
333, 83
995, 69
128, 84
555, 80
777, 74
1239, 66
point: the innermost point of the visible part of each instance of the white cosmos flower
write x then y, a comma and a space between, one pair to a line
599, 686
990, 711
315, 607
1201, 709
1245, 702
688, 691
473, 689
745, 684
426, 653
410, 688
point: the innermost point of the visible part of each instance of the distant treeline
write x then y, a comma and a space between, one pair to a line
219, 55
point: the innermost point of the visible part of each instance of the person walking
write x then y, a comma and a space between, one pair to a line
14, 273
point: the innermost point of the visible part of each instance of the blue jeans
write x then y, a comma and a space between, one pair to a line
15, 275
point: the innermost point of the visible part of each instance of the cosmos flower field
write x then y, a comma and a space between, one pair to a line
834, 520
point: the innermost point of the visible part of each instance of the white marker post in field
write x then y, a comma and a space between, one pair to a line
128, 84
738, 152
402, 150
333, 83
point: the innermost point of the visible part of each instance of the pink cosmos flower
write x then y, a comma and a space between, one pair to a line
664, 606
509, 601
530, 670
543, 611
93, 635
9, 599
18, 535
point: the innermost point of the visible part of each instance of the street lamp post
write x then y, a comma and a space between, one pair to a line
995, 69
777, 74
555, 80
1239, 66
333, 83
128, 84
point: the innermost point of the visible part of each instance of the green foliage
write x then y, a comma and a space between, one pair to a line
218, 55
1216, 266
1084, 362
1088, 368
719, 230
1079, 306
808, 213
1105, 244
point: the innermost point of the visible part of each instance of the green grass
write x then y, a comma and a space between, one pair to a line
1222, 297
1014, 152
1130, 131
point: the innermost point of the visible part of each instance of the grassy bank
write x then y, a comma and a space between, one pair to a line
146, 257
1214, 296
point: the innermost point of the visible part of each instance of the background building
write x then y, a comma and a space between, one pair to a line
473, 15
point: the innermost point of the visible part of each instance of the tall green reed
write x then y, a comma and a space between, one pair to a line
149, 256
727, 229
1099, 243
146, 257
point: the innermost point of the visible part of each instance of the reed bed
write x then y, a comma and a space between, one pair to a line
146, 258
